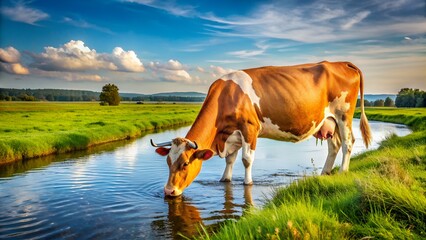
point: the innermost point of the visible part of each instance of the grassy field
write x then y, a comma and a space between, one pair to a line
382, 197
31, 129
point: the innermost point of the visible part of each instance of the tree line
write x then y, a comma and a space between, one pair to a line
407, 97
11, 94
153, 98
388, 102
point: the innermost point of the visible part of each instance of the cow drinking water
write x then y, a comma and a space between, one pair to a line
289, 103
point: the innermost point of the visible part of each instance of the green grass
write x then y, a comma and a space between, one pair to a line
35, 129
382, 197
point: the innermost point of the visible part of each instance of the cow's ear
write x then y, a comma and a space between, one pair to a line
204, 154
162, 151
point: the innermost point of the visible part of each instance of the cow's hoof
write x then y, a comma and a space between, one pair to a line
225, 180
249, 183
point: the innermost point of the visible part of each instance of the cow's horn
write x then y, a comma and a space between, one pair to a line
192, 144
164, 144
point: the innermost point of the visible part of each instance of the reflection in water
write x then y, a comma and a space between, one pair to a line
115, 191
184, 218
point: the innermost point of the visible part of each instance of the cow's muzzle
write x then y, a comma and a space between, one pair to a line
172, 192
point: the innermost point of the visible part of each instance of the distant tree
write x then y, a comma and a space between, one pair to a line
389, 102
110, 95
26, 97
49, 97
379, 103
367, 103
408, 97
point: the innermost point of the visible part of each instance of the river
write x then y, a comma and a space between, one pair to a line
115, 191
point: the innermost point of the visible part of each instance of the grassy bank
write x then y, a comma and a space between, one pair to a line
31, 129
382, 197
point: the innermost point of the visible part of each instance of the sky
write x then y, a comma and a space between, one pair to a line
151, 46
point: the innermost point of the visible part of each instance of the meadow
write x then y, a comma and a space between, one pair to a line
383, 196
32, 129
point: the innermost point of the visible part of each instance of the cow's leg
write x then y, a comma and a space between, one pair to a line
227, 174
248, 158
345, 129
334, 144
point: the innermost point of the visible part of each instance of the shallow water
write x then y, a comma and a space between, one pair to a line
115, 191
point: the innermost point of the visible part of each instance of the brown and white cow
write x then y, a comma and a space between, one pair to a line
289, 103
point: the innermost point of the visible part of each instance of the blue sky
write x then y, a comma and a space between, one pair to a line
149, 46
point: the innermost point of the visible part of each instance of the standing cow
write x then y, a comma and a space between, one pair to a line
289, 103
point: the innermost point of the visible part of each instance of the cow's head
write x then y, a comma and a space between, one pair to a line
184, 160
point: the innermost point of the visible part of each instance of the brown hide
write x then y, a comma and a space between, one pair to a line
293, 97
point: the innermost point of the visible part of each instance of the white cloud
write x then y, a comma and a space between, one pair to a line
316, 22
126, 60
75, 56
14, 68
10, 61
72, 56
22, 13
356, 19
200, 69
83, 24
68, 76
218, 71
246, 53
168, 6
9, 55
173, 71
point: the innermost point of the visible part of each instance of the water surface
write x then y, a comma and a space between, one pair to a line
115, 191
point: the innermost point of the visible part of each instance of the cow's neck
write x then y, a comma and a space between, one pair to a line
203, 131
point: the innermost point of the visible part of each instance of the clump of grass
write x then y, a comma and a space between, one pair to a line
396, 201
382, 226
293, 221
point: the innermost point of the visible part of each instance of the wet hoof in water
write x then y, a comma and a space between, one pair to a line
225, 180
247, 184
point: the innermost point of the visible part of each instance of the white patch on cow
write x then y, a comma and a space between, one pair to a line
248, 153
176, 151
338, 106
272, 131
245, 82
232, 144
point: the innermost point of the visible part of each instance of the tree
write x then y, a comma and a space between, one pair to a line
110, 95
408, 97
379, 103
367, 103
389, 102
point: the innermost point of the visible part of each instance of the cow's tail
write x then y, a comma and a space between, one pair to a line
363, 125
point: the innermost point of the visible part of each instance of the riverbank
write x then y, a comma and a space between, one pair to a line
33, 129
382, 197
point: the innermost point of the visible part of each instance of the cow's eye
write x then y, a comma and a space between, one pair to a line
185, 165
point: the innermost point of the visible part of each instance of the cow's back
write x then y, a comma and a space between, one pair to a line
294, 99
